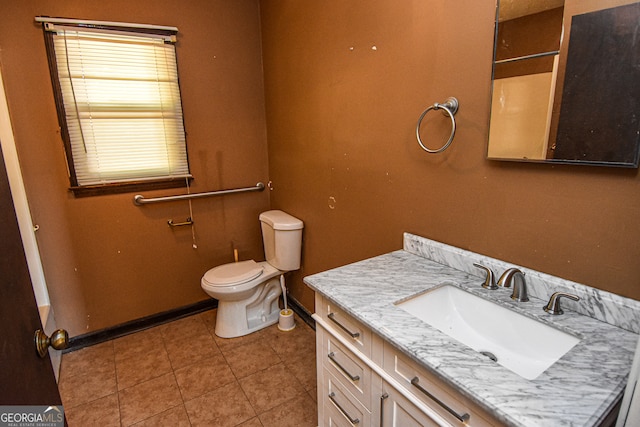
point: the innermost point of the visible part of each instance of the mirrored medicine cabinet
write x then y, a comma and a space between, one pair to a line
566, 82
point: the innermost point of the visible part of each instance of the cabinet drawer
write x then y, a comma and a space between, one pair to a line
340, 407
332, 417
346, 326
354, 374
432, 391
398, 411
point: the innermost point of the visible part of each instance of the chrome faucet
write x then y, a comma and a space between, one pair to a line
515, 276
553, 306
490, 280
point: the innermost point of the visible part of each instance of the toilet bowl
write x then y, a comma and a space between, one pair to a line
247, 294
248, 291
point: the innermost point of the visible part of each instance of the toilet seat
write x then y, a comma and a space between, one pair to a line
233, 273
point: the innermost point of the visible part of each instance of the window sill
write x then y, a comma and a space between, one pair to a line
127, 187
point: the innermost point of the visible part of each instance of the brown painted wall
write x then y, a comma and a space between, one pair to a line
341, 119
342, 154
106, 260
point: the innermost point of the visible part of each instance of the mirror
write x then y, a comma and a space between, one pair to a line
565, 82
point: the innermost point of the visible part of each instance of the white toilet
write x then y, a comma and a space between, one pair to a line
248, 291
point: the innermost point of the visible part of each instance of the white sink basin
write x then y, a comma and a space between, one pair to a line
520, 344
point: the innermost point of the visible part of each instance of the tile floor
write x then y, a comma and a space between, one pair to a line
182, 374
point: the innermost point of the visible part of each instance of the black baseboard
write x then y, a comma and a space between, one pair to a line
301, 311
97, 337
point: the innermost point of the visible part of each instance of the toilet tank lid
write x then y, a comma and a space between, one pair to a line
236, 272
281, 220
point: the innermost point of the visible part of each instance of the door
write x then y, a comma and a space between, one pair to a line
25, 378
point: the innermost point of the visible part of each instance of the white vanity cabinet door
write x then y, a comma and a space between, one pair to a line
432, 392
397, 411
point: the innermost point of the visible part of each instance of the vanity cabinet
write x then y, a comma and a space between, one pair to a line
365, 381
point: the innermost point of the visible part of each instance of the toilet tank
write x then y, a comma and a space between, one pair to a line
282, 238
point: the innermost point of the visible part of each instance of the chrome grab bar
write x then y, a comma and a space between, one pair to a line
332, 396
140, 199
332, 317
332, 357
450, 107
462, 418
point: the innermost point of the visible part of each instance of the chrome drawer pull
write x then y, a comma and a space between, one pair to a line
351, 420
332, 317
461, 418
332, 356
384, 397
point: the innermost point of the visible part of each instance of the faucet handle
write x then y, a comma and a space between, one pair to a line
490, 280
553, 306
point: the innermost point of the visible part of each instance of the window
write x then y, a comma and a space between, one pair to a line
119, 105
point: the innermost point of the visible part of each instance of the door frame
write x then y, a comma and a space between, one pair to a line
25, 222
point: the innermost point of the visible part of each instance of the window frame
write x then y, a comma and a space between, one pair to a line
80, 190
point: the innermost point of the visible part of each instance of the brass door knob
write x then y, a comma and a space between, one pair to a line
59, 340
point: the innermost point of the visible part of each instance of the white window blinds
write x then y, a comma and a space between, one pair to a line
122, 105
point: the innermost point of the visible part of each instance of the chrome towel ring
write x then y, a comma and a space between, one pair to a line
450, 107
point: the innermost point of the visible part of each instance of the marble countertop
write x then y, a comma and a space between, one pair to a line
578, 390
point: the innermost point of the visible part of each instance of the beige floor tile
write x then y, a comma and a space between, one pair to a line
230, 343
293, 343
204, 376
225, 406
181, 374
250, 358
314, 395
253, 422
79, 389
149, 398
271, 387
87, 360
174, 417
298, 412
192, 349
103, 412
209, 319
137, 344
183, 328
303, 368
137, 369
